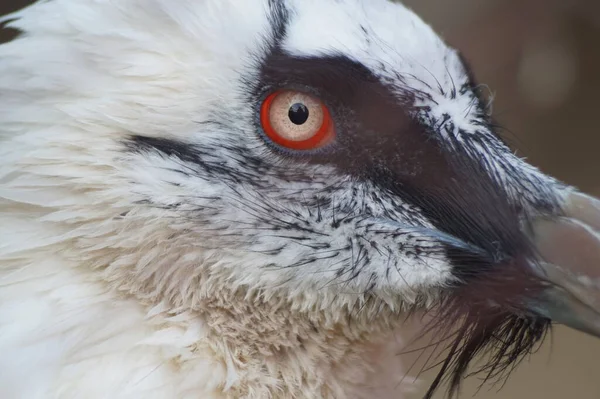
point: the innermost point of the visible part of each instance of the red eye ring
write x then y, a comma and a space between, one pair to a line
316, 138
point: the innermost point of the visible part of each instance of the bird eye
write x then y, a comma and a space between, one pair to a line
296, 120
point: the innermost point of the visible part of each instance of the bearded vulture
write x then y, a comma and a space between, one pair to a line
263, 199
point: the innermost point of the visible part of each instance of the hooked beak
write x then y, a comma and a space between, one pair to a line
569, 249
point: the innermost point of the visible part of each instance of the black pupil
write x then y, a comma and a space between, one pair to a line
298, 114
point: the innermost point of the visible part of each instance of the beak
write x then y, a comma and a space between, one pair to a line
569, 249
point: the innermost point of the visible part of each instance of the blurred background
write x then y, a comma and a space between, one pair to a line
540, 62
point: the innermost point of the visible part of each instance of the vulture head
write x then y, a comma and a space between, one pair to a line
259, 199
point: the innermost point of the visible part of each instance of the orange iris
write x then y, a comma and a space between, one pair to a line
296, 120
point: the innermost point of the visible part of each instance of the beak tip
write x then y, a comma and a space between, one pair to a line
569, 251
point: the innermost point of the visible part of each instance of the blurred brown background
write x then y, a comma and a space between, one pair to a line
541, 62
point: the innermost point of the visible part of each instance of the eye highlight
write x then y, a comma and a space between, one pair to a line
296, 120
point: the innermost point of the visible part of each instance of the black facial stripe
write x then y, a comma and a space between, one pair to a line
202, 162
232, 164
379, 141
8, 34
278, 17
